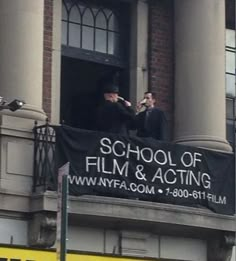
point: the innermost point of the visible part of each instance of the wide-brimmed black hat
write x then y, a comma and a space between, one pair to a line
110, 88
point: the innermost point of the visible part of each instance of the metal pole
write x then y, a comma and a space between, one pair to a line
62, 215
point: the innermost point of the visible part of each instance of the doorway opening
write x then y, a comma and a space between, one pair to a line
81, 92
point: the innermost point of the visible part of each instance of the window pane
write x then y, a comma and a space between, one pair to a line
100, 43
75, 15
81, 7
230, 62
230, 131
64, 33
87, 38
67, 3
113, 23
230, 38
101, 20
230, 109
88, 17
108, 12
74, 35
230, 85
113, 43
64, 13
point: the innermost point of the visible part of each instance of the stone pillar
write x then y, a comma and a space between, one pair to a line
200, 117
21, 54
138, 53
21, 76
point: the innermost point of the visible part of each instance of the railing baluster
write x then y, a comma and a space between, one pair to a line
44, 157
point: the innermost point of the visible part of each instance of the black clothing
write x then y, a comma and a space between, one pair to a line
114, 117
151, 123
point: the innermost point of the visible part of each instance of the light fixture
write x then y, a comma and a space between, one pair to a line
15, 105
12, 106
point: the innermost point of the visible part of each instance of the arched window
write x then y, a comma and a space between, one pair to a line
92, 27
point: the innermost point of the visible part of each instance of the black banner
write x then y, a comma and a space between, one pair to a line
130, 167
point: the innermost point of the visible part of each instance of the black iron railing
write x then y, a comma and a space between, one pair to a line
44, 158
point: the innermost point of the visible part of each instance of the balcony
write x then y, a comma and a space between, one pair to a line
107, 210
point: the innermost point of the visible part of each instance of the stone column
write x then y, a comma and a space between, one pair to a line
138, 53
21, 54
200, 117
21, 76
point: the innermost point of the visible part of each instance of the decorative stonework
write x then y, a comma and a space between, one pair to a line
42, 230
220, 249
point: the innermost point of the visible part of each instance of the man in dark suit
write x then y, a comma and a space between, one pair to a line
115, 113
151, 122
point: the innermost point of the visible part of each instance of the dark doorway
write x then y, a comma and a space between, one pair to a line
81, 92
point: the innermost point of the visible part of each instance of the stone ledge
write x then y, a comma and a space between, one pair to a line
14, 201
126, 210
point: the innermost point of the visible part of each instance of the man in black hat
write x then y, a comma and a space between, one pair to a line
115, 113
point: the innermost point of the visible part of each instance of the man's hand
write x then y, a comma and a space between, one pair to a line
139, 107
127, 103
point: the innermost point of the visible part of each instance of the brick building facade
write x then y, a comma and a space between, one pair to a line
53, 57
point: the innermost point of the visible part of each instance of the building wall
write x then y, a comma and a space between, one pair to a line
161, 54
13, 231
161, 80
136, 243
47, 56
100, 240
